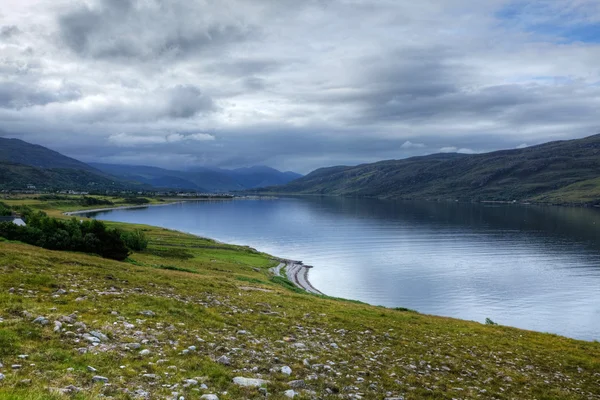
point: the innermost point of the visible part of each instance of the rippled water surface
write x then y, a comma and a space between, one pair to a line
527, 266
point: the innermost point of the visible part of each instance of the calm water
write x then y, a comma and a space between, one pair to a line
527, 266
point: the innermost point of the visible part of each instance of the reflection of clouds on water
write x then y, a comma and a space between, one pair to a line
532, 267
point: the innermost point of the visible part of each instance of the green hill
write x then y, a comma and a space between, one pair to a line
555, 172
16, 151
18, 176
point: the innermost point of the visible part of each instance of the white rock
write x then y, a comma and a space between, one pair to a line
289, 393
144, 352
209, 397
91, 369
2, 377
286, 370
99, 378
241, 381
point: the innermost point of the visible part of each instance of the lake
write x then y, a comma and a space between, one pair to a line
532, 267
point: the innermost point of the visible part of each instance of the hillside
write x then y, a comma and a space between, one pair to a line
18, 176
201, 179
16, 151
545, 173
189, 315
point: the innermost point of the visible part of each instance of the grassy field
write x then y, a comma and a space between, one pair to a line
187, 315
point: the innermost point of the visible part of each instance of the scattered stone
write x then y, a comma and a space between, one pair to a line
150, 376
22, 356
224, 360
148, 313
41, 321
16, 366
70, 389
249, 382
289, 393
57, 326
298, 384
101, 336
2, 377
209, 397
286, 370
60, 291
144, 352
98, 378
91, 369
133, 346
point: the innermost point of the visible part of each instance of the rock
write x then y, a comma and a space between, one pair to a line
224, 360
57, 326
98, 378
133, 346
209, 397
91, 369
249, 382
2, 377
101, 336
203, 387
242, 332
150, 376
192, 348
190, 382
144, 352
70, 389
289, 393
16, 366
286, 370
60, 291
299, 384
41, 321
148, 313
91, 339
22, 356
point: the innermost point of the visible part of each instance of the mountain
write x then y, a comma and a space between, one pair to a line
16, 151
19, 176
555, 172
202, 179
23, 164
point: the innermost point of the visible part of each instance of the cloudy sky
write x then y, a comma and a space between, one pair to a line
295, 84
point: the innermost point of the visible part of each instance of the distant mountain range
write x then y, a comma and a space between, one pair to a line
556, 172
200, 178
23, 164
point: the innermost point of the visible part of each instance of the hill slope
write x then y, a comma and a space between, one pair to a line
16, 151
540, 173
18, 176
190, 311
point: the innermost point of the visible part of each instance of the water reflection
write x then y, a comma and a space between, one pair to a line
528, 266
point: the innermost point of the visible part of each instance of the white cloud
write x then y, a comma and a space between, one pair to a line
449, 149
410, 145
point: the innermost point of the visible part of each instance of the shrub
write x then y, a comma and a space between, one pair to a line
135, 240
51, 233
490, 322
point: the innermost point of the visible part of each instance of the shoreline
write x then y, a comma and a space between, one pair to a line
296, 272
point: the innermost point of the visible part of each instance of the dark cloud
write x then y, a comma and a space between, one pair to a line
146, 30
295, 85
8, 31
16, 95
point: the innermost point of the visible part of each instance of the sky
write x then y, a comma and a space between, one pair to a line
295, 85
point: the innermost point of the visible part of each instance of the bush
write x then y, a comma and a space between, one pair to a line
136, 200
135, 240
51, 233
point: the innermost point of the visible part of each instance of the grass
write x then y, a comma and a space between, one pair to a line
206, 299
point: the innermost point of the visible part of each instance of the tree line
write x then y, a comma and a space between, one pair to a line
90, 236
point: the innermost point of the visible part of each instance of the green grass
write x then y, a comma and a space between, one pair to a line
223, 289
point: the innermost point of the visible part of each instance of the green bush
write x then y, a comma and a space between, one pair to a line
51, 233
135, 240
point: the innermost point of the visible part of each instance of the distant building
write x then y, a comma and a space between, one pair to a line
15, 219
31, 187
